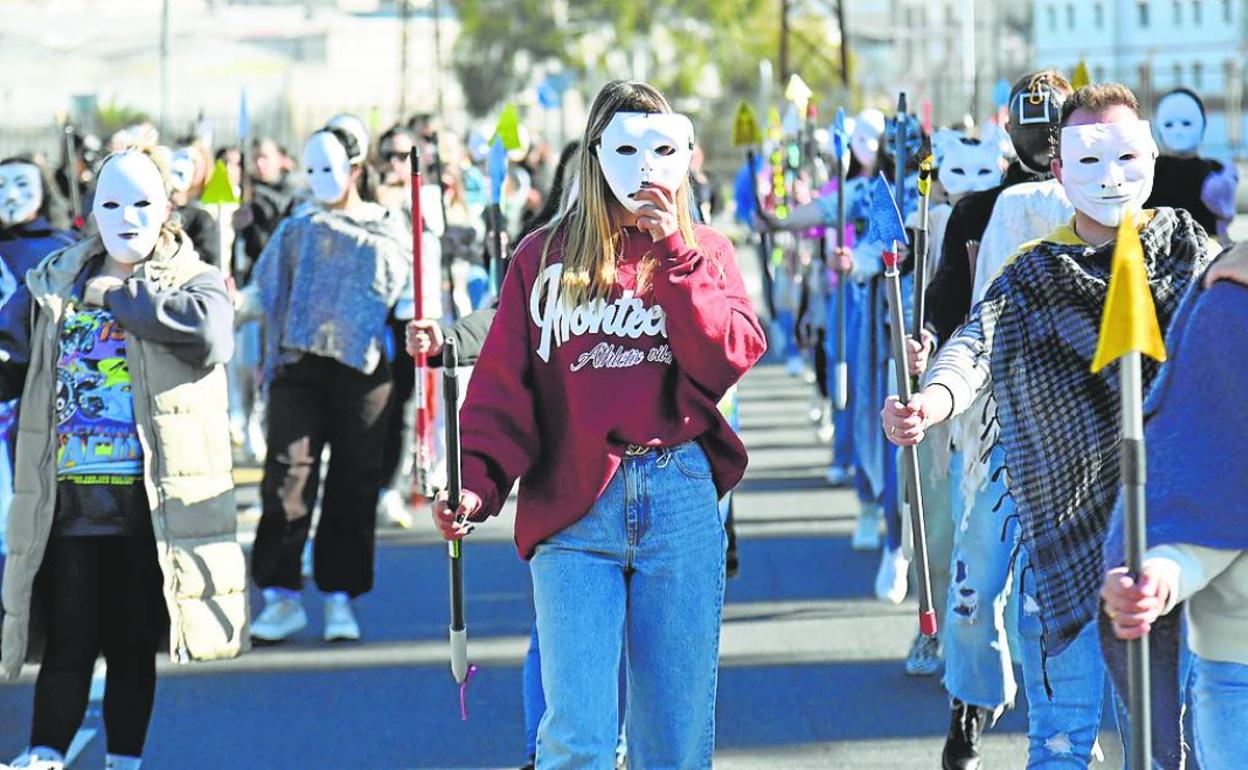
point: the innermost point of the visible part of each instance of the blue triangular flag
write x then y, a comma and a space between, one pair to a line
885, 222
496, 168
840, 142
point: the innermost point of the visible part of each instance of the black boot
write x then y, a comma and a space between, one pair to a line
966, 727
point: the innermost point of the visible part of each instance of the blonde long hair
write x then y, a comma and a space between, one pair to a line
591, 242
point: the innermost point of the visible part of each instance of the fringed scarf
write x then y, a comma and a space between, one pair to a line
1059, 422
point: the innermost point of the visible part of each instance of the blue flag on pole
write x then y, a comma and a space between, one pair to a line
496, 167
885, 223
840, 140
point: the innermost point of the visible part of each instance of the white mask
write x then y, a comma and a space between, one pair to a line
130, 206
864, 142
21, 193
639, 148
181, 170
327, 167
1180, 123
1107, 168
967, 165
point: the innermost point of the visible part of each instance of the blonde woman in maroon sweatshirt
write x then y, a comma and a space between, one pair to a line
620, 326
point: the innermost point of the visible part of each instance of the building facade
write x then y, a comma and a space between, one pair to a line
1153, 46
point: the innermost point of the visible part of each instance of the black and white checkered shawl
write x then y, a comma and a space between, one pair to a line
1060, 423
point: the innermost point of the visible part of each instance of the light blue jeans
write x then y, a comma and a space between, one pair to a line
646, 566
978, 669
1061, 729
1220, 705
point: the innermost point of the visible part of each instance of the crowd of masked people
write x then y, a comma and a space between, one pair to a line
1019, 440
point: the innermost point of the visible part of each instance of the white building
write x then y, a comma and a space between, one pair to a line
1153, 46
952, 52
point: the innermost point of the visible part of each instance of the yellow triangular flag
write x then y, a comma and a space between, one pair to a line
745, 128
509, 128
1081, 76
218, 189
1130, 319
798, 92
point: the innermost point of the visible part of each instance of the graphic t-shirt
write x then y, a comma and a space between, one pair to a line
97, 439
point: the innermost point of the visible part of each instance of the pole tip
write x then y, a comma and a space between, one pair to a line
450, 354
901, 103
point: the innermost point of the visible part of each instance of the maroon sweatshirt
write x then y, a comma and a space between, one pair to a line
559, 393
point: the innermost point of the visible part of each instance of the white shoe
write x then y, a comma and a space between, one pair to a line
283, 616
826, 431
392, 511
891, 582
838, 476
815, 413
42, 759
867, 534
340, 622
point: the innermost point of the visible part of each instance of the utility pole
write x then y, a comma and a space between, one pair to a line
165, 85
437, 56
405, 12
846, 75
784, 41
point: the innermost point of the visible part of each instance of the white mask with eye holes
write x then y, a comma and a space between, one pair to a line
1107, 168
327, 167
1180, 123
130, 206
21, 193
639, 149
968, 165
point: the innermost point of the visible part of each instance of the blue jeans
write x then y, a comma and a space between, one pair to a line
644, 567
1220, 704
978, 669
1062, 729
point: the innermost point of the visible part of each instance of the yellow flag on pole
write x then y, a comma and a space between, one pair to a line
1130, 319
1081, 76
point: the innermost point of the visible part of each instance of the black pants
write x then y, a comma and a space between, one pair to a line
400, 421
313, 402
99, 594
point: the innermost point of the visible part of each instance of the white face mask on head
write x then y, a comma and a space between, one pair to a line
864, 142
1180, 123
639, 148
130, 206
327, 167
969, 165
21, 193
1107, 168
182, 170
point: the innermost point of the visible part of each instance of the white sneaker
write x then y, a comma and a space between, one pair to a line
283, 616
826, 431
838, 476
891, 582
794, 366
340, 622
867, 534
815, 413
392, 511
41, 759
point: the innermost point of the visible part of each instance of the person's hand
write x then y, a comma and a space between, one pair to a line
1231, 266
454, 525
424, 336
657, 215
918, 353
905, 424
843, 259
1133, 606
97, 287
766, 221
243, 216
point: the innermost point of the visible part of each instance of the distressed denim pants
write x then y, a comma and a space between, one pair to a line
978, 668
1220, 713
644, 567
